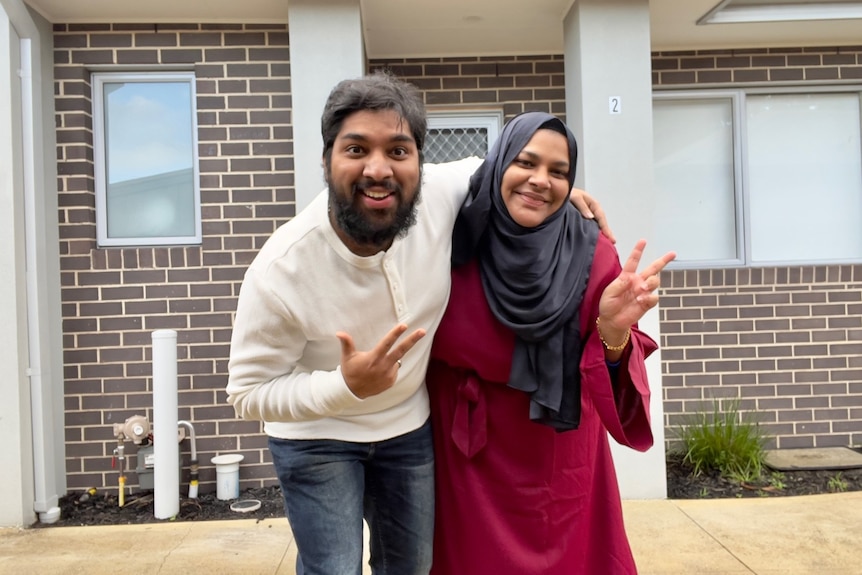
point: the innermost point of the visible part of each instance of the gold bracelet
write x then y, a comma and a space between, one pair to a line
609, 347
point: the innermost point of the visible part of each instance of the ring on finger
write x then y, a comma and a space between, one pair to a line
398, 361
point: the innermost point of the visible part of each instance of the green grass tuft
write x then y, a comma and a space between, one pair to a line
725, 440
837, 484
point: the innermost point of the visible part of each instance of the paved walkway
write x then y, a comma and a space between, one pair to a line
812, 535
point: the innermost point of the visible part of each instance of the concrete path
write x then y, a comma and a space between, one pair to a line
812, 535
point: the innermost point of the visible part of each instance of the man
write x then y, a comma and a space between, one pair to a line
321, 350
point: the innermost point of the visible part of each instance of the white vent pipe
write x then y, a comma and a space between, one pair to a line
166, 450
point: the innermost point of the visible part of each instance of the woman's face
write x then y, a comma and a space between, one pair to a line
536, 184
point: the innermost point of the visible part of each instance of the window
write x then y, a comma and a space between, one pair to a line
453, 136
737, 11
145, 137
759, 176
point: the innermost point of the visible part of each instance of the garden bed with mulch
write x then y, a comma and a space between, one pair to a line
103, 509
683, 484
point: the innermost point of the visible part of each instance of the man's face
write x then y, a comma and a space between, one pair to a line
374, 180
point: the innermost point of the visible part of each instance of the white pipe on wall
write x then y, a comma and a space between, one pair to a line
166, 449
46, 503
193, 464
42, 397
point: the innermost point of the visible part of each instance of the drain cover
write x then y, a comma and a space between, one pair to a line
245, 506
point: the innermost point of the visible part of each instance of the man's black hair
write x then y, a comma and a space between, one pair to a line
377, 91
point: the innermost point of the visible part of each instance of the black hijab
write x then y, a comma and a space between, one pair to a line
534, 278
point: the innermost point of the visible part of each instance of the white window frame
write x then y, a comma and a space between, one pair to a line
741, 170
738, 198
489, 120
100, 164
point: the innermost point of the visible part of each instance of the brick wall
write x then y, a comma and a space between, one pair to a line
761, 65
786, 341
514, 84
113, 299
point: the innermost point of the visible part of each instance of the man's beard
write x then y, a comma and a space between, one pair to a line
358, 227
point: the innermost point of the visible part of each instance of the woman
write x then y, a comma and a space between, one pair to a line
537, 356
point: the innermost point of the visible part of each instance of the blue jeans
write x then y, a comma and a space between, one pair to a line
329, 486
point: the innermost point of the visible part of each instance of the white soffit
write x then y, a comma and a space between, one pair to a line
161, 11
437, 28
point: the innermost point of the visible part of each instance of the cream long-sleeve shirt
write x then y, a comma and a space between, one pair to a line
305, 285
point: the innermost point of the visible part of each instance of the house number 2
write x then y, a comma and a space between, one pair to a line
615, 105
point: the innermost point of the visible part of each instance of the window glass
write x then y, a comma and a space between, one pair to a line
453, 136
448, 144
694, 178
804, 153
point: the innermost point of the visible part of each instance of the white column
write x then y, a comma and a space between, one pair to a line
16, 482
609, 107
30, 233
325, 47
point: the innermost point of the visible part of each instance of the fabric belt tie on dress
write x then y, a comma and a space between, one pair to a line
470, 427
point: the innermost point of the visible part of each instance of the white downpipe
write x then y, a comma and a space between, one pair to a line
46, 503
166, 449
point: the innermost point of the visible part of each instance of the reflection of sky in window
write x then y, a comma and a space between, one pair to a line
149, 129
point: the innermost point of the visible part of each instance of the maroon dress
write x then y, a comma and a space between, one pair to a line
515, 497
